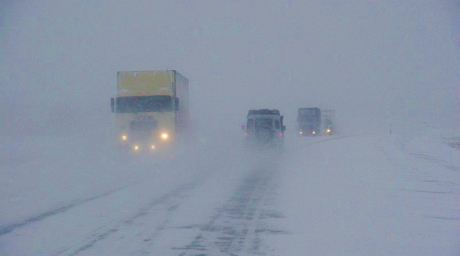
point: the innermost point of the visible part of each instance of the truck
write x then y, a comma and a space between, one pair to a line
265, 128
329, 125
309, 121
151, 109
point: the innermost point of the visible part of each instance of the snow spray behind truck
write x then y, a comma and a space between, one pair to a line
151, 108
328, 117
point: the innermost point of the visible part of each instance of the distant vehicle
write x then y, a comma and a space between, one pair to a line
265, 127
328, 117
309, 121
151, 108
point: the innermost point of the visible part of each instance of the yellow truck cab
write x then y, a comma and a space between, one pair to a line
151, 108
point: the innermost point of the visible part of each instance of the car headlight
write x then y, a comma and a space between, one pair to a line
136, 147
314, 132
164, 135
124, 137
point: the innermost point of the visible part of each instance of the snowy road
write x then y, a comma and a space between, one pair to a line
362, 195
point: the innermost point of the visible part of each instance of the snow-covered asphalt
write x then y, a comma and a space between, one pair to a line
338, 195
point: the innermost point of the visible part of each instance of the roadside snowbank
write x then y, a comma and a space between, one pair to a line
374, 195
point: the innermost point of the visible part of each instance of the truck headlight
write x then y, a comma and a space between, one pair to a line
164, 136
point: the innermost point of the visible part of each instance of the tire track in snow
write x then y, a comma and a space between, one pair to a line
235, 223
10, 228
172, 198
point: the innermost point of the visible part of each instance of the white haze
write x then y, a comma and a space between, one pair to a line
378, 63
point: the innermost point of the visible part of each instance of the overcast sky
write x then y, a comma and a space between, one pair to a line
375, 61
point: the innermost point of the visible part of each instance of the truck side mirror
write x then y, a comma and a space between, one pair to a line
112, 104
284, 128
177, 104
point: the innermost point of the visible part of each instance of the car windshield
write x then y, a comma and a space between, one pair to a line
144, 104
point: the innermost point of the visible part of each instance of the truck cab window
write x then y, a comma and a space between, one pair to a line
144, 104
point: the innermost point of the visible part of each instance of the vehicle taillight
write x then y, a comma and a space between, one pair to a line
281, 134
246, 134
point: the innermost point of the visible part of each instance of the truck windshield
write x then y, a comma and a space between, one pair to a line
306, 119
138, 104
307, 111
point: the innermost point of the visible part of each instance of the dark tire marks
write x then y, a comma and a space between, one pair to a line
234, 227
10, 228
169, 202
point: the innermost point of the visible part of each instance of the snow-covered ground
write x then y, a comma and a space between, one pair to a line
376, 195
393, 194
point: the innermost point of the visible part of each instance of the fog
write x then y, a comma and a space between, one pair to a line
380, 64
376, 62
